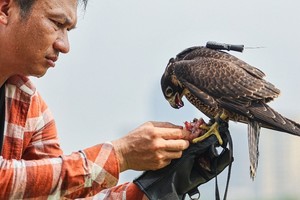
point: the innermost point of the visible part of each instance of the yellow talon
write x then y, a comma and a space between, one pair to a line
223, 116
204, 127
212, 130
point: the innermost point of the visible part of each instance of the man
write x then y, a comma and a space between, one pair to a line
32, 34
32, 165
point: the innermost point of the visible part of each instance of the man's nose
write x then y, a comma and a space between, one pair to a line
61, 43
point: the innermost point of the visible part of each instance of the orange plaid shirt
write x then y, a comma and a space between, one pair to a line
32, 165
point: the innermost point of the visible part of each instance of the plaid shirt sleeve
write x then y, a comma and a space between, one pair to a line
32, 165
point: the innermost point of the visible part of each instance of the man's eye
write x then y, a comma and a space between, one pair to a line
57, 24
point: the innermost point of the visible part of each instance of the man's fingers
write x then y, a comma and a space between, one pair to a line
176, 145
174, 133
169, 156
171, 131
173, 155
165, 125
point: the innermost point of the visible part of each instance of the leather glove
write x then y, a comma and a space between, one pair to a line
198, 164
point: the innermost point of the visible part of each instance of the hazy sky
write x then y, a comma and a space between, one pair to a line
110, 81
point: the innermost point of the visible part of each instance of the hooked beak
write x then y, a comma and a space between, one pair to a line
176, 102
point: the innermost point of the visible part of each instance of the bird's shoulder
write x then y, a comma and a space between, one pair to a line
202, 54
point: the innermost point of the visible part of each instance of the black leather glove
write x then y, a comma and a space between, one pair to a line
198, 164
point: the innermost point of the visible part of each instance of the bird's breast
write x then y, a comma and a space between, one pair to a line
209, 111
212, 111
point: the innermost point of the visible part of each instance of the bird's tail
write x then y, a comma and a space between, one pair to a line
265, 116
253, 140
269, 118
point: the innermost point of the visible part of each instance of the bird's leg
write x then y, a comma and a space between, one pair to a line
211, 130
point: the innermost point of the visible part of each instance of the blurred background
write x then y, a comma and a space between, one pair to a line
109, 83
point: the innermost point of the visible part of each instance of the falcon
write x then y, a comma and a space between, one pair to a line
221, 85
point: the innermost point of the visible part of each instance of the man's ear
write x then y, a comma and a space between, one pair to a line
4, 7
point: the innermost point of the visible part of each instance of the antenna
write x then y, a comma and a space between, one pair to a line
228, 47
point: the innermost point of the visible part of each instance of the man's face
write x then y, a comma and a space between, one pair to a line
33, 44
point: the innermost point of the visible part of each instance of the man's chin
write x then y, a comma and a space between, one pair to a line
39, 74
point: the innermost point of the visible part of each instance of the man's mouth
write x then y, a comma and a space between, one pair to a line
51, 60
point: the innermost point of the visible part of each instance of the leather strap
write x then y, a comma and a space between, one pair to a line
194, 194
217, 194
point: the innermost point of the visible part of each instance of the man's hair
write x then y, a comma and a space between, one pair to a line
26, 5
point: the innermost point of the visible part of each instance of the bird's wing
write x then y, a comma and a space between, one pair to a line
224, 80
200, 52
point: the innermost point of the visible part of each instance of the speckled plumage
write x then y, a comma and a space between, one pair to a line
215, 82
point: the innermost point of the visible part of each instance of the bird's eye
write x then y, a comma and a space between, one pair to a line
169, 91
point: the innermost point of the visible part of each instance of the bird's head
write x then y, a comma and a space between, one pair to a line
172, 89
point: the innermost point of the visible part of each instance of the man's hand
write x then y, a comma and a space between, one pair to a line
151, 146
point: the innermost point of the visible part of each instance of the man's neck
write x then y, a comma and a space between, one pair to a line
6, 70
3, 77
2, 80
